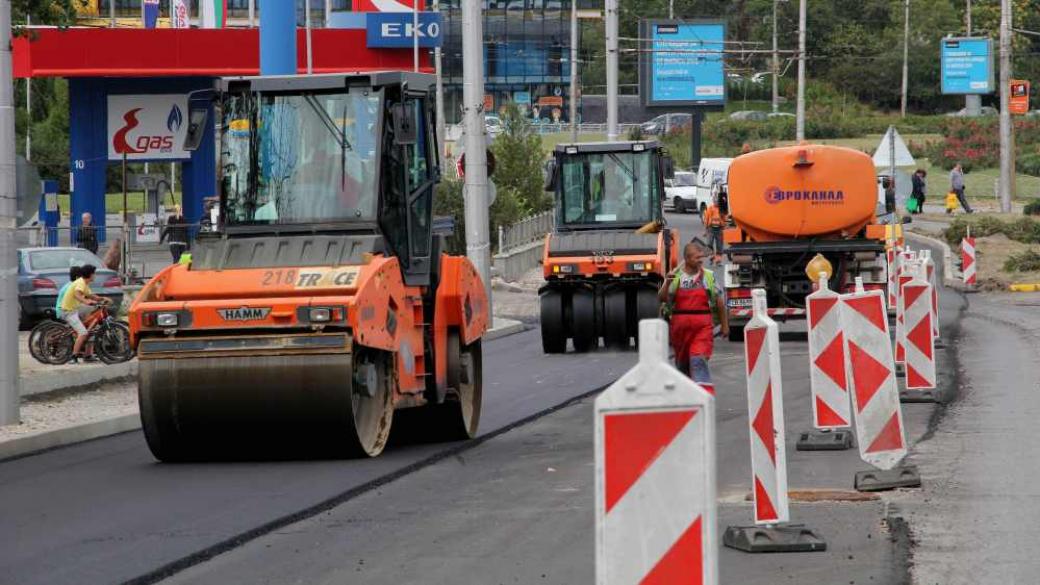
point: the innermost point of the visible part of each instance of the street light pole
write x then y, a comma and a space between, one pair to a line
28, 108
1007, 138
906, 57
9, 393
478, 246
574, 70
612, 68
800, 108
307, 23
440, 90
972, 103
776, 62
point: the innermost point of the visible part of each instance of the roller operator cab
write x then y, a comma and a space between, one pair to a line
609, 251
320, 303
789, 204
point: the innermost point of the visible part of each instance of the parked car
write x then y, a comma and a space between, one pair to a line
664, 123
749, 116
43, 271
493, 124
683, 193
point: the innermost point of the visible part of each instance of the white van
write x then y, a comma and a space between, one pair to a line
712, 173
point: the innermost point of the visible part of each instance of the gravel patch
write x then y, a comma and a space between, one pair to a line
57, 412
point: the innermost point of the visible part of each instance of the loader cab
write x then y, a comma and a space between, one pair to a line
347, 157
615, 185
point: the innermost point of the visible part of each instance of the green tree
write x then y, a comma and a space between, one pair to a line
519, 159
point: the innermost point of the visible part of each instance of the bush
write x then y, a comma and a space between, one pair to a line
1023, 229
1032, 208
519, 158
1027, 261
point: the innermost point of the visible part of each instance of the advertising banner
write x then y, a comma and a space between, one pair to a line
683, 63
967, 66
147, 127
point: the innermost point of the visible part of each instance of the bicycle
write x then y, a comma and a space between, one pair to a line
52, 342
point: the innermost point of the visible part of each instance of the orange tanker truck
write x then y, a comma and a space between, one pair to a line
321, 302
789, 204
609, 250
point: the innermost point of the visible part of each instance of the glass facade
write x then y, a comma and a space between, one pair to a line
526, 57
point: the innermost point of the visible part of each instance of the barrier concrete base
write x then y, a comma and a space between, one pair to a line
877, 480
773, 539
829, 440
911, 396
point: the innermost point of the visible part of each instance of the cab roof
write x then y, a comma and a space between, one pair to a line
421, 82
602, 147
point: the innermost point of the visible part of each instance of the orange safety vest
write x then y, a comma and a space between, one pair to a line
713, 218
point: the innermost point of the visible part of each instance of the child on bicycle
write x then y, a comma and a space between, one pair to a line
73, 276
78, 303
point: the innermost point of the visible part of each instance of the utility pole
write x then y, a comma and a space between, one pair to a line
972, 103
1007, 138
9, 393
612, 68
574, 70
906, 57
28, 108
252, 13
478, 246
111, 13
307, 24
415, 35
440, 90
776, 61
800, 108
671, 9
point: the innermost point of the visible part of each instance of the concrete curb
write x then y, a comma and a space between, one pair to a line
503, 328
951, 282
76, 378
69, 435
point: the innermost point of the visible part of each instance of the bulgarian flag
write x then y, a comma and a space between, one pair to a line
214, 13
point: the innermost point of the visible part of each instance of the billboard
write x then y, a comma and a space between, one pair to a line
967, 66
147, 127
682, 63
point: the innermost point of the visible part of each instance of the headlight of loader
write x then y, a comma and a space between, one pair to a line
166, 319
320, 315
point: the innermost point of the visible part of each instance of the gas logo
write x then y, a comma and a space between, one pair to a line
146, 144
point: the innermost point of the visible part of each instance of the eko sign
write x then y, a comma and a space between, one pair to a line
395, 30
147, 127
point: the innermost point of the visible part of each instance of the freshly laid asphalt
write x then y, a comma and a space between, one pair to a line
516, 508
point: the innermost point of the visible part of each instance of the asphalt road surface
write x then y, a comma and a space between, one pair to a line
515, 508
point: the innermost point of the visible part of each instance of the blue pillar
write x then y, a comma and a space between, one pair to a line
49, 218
278, 38
88, 128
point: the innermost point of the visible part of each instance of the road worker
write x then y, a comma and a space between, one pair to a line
714, 220
694, 303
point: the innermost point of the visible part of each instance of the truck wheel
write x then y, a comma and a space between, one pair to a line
554, 334
615, 319
647, 305
583, 321
458, 417
678, 204
736, 333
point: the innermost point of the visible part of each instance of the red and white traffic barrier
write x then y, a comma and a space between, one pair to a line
904, 277
766, 414
892, 256
827, 376
872, 379
777, 312
768, 453
655, 473
933, 280
920, 339
968, 259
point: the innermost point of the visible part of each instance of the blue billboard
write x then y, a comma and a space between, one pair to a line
683, 63
393, 30
967, 66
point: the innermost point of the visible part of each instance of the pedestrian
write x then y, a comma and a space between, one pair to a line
890, 197
957, 186
951, 202
714, 220
917, 193
694, 303
88, 233
176, 234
